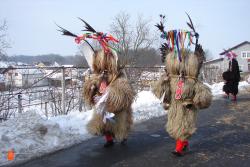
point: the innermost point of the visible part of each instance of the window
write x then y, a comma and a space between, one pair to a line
245, 54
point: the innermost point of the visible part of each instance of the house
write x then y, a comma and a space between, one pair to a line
212, 70
243, 52
2, 82
43, 64
24, 77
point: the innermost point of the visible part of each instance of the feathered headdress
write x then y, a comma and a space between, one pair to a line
176, 39
90, 33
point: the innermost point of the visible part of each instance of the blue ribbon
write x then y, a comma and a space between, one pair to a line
176, 37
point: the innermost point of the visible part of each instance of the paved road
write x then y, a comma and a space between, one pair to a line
222, 139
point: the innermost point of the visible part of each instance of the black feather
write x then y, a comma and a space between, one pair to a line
164, 49
191, 25
160, 26
87, 26
66, 32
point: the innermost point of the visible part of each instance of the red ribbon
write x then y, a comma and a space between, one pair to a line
102, 38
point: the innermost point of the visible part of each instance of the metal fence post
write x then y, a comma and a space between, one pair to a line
46, 109
80, 99
63, 90
19, 103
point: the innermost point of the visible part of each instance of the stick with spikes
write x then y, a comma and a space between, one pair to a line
191, 25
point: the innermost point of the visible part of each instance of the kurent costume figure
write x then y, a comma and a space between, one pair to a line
231, 76
179, 88
107, 89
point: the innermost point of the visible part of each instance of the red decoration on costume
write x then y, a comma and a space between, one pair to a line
180, 145
179, 90
102, 38
103, 87
108, 137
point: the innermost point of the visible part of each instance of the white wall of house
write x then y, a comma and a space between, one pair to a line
20, 78
34, 80
13, 78
243, 61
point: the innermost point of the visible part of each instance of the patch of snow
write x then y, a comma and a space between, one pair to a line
217, 88
32, 135
4, 64
146, 75
146, 106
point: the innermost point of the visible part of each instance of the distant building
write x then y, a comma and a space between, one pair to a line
213, 69
43, 64
24, 78
2, 82
243, 52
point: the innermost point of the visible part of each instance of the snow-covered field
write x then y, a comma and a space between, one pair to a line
32, 135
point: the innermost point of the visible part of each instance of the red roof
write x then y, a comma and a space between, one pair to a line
243, 43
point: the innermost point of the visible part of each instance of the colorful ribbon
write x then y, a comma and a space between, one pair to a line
102, 38
177, 44
176, 40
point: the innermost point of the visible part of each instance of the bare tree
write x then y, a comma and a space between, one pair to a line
142, 37
3, 41
121, 29
132, 37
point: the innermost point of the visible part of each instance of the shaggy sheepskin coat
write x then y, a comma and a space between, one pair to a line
119, 100
182, 113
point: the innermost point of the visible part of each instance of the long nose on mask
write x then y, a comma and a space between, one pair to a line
103, 86
104, 82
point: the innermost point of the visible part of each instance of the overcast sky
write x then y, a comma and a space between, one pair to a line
31, 29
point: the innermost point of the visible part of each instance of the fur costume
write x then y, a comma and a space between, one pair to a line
119, 100
232, 78
182, 110
107, 89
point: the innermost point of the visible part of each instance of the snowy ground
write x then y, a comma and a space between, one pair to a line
32, 135
217, 87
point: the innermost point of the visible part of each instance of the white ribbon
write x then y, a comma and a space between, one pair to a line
101, 107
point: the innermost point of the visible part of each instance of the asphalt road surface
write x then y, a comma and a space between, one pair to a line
222, 139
